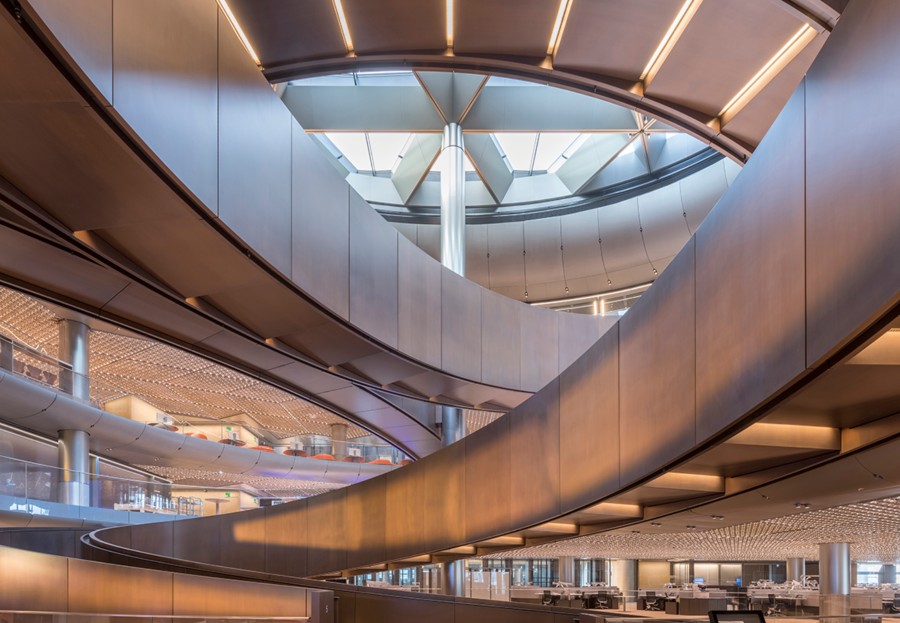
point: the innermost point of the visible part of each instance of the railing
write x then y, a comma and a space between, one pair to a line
34, 487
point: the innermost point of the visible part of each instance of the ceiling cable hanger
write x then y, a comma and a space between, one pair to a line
644, 242
524, 264
562, 254
600, 244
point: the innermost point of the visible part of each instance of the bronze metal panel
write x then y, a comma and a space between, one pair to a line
472, 613
501, 340
391, 608
321, 226
197, 539
488, 492
327, 550
84, 28
283, 313
391, 25
206, 596
165, 76
589, 424
444, 497
242, 538
577, 332
254, 154
155, 312
656, 372
373, 272
599, 36
286, 538
751, 250
286, 31
419, 304
852, 218
534, 453
540, 339
96, 181
405, 524
460, 326
525, 32
365, 513
33, 581
156, 538
99, 587
242, 349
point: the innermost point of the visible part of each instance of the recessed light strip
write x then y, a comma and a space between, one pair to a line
558, 26
239, 31
345, 29
676, 29
764, 76
450, 24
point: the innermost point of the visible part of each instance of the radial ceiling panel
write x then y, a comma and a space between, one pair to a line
526, 26
378, 26
602, 37
723, 47
290, 30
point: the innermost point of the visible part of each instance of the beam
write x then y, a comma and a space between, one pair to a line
416, 163
493, 168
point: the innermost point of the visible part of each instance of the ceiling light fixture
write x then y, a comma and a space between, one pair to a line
676, 29
450, 24
239, 31
764, 76
345, 29
558, 26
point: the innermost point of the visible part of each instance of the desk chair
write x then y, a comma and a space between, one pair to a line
894, 607
654, 602
773, 607
602, 602
549, 599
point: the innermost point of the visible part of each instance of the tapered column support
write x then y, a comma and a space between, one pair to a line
74, 464
834, 582
453, 200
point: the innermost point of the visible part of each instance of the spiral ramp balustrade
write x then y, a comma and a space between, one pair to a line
748, 369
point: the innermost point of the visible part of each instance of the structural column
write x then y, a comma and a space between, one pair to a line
453, 200
74, 464
453, 578
339, 440
834, 582
888, 574
567, 569
6, 353
622, 574
796, 569
73, 350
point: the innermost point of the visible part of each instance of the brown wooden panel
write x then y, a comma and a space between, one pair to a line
589, 424
373, 272
472, 613
320, 226
286, 538
501, 340
420, 25
419, 306
534, 457
205, 596
750, 274
525, 30
325, 516
444, 497
242, 540
32, 581
254, 154
389, 609
365, 514
157, 538
84, 28
488, 492
656, 372
852, 220
540, 339
165, 85
197, 539
460, 326
99, 587
405, 523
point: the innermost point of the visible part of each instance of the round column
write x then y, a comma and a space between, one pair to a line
339, 440
888, 574
834, 582
74, 350
74, 464
453, 425
453, 578
796, 569
453, 200
567, 569
6, 353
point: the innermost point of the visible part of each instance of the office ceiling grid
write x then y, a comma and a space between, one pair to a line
274, 487
478, 419
871, 528
173, 381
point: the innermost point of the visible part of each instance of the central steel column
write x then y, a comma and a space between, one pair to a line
453, 200
796, 569
6, 353
453, 578
74, 464
339, 440
567, 569
834, 582
73, 350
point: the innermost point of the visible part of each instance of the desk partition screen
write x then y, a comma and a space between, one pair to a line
736, 616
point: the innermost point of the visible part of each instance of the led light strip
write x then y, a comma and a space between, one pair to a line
239, 31
764, 76
665, 47
450, 24
345, 29
558, 26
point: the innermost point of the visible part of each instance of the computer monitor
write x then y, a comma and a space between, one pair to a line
736, 616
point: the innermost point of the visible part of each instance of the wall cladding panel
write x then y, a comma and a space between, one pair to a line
488, 492
254, 154
445, 512
750, 280
540, 342
365, 514
419, 304
405, 524
500, 341
460, 326
656, 372
286, 538
327, 550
